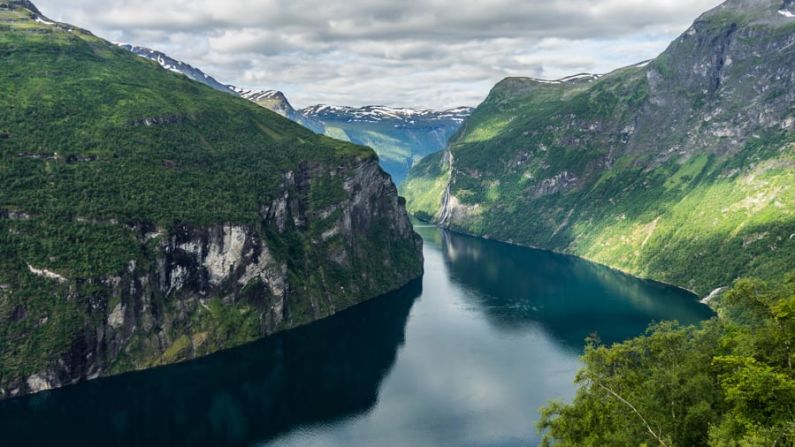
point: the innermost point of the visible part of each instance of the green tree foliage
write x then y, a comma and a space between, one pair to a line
728, 382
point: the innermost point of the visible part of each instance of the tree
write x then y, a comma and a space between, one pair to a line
728, 382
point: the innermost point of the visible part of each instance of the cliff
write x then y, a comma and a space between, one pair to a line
147, 219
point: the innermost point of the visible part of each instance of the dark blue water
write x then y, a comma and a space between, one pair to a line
463, 357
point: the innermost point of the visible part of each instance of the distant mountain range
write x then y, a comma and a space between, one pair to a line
400, 136
375, 114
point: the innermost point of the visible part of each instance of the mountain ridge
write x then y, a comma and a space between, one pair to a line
393, 132
380, 112
282, 104
177, 66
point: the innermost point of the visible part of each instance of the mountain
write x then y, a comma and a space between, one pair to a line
147, 219
680, 169
276, 101
400, 136
176, 66
270, 99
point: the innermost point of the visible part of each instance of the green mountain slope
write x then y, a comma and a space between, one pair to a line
146, 218
681, 169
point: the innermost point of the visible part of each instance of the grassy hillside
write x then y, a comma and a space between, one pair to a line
680, 170
426, 185
112, 135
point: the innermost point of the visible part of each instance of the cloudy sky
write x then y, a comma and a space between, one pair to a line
419, 53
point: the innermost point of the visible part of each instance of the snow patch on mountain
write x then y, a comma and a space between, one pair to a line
257, 95
581, 77
176, 66
43, 21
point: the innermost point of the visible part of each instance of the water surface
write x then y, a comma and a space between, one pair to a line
463, 357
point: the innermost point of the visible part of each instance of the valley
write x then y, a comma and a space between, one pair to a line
582, 261
459, 348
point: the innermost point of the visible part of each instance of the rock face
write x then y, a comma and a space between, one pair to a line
146, 219
664, 169
214, 287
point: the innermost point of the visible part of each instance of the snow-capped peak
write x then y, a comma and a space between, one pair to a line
257, 95
325, 108
277, 102
460, 110
379, 113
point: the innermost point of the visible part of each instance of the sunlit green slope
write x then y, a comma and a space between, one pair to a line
681, 169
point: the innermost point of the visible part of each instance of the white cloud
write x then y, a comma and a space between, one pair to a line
432, 53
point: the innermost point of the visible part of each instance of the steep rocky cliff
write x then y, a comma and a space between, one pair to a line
678, 169
147, 219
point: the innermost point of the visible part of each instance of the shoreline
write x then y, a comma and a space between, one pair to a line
582, 258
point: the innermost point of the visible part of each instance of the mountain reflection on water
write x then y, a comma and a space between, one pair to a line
569, 297
321, 372
463, 357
